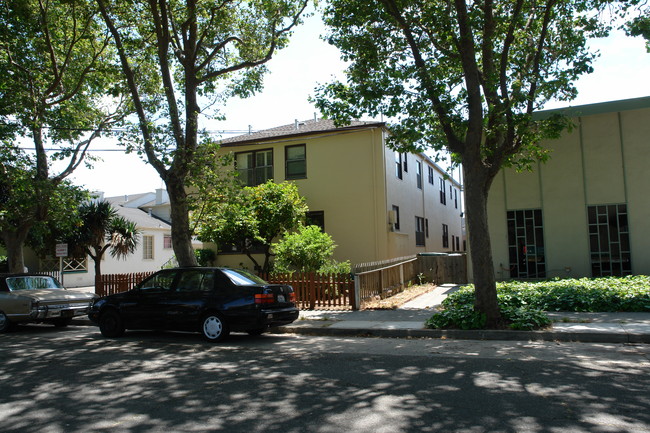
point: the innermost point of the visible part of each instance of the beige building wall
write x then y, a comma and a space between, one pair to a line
602, 161
351, 178
425, 203
345, 181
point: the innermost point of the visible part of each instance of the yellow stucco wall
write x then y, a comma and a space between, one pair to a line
602, 161
351, 178
344, 182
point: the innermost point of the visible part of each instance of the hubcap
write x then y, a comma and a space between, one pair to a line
3, 320
212, 327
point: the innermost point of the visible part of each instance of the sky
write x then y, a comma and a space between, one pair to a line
621, 72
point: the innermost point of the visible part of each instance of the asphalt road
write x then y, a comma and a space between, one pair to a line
74, 380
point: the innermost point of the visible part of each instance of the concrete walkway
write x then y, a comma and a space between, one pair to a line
408, 321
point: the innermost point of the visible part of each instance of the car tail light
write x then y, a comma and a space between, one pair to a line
292, 297
264, 298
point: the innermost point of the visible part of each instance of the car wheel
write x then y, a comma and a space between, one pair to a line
214, 328
111, 324
255, 332
5, 323
62, 323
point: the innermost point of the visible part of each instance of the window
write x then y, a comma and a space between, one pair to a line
406, 163
254, 168
419, 231
159, 281
430, 174
147, 247
443, 195
457, 243
526, 244
453, 243
398, 165
295, 162
196, 280
316, 218
396, 222
456, 198
609, 240
167, 242
426, 227
418, 174
445, 236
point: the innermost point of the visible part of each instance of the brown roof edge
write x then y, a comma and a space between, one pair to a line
287, 132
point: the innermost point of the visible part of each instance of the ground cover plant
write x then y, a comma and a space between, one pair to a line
523, 304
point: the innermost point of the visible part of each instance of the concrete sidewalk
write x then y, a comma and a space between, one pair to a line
408, 321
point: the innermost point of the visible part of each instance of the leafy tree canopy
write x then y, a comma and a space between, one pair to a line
19, 197
181, 60
258, 215
465, 76
308, 249
639, 23
56, 79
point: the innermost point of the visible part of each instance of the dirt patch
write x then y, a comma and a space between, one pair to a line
399, 299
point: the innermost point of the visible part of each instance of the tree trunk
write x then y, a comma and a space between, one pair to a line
476, 195
97, 260
181, 234
14, 242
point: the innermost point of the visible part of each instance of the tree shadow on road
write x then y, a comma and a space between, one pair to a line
65, 381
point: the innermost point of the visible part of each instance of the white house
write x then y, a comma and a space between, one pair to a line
150, 212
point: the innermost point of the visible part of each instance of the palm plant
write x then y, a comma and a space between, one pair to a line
102, 229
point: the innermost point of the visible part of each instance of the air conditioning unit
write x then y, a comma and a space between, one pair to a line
392, 217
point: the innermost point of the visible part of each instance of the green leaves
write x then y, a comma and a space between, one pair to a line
523, 304
306, 250
258, 214
101, 229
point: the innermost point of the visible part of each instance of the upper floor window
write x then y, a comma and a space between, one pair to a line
430, 174
398, 165
445, 236
255, 167
456, 198
418, 173
295, 162
443, 194
167, 242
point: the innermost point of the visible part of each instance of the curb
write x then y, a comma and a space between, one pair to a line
457, 334
453, 334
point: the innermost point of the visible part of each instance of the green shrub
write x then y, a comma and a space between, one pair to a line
334, 267
523, 304
307, 249
461, 317
205, 256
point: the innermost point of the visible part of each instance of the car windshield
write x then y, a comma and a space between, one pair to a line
243, 278
32, 283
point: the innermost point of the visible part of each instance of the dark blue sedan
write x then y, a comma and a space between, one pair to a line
212, 301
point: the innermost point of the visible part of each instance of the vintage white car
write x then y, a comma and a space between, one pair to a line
39, 299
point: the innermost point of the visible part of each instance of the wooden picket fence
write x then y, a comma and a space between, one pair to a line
313, 291
318, 291
342, 291
387, 280
116, 283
